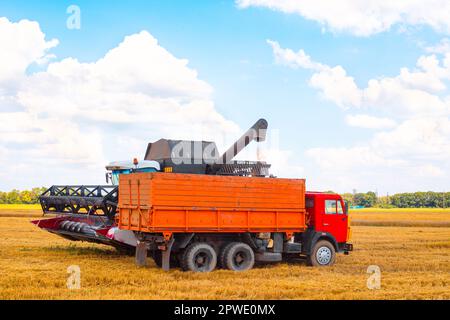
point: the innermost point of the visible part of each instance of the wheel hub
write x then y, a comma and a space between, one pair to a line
201, 260
323, 255
239, 258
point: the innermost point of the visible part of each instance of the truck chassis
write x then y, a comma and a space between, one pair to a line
203, 252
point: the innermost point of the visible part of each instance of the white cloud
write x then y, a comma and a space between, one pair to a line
334, 83
22, 44
442, 47
63, 124
362, 17
413, 156
411, 112
138, 64
370, 122
337, 86
429, 170
417, 139
411, 93
293, 59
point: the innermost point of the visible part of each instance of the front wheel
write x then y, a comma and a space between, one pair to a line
322, 254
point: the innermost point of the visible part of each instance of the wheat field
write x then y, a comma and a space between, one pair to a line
414, 260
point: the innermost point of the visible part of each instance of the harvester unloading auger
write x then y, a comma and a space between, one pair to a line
87, 213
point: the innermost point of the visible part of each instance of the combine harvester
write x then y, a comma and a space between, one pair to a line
187, 206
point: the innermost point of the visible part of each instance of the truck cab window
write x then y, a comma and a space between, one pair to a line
330, 206
340, 210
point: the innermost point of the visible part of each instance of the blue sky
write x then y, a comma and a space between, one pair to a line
225, 42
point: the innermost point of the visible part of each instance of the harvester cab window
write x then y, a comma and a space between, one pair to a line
330, 206
115, 175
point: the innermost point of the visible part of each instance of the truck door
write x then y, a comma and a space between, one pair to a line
334, 219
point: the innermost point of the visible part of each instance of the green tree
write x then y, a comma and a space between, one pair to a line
26, 197
35, 193
13, 197
21, 197
348, 197
366, 200
3, 196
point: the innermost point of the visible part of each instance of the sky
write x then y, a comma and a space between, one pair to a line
355, 92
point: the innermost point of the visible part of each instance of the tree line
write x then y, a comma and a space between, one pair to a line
21, 197
369, 199
427, 199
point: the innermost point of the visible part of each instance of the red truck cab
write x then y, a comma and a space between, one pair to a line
327, 219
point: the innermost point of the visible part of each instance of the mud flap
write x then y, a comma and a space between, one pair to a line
141, 254
166, 255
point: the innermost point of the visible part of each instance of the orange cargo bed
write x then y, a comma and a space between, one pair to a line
172, 203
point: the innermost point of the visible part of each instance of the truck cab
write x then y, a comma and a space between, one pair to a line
328, 221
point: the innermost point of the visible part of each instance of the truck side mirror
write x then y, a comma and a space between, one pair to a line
107, 176
346, 204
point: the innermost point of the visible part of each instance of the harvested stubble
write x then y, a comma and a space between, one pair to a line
414, 261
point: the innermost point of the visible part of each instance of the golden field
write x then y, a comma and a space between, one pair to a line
412, 249
421, 217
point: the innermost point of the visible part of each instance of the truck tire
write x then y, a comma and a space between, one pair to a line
221, 258
322, 254
157, 257
237, 256
199, 257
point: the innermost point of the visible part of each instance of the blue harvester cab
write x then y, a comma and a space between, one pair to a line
126, 167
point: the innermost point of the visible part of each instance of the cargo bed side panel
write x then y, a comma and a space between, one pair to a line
164, 202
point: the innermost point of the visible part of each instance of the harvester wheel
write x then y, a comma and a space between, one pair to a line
322, 254
237, 256
199, 257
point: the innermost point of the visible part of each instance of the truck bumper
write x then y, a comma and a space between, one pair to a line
345, 247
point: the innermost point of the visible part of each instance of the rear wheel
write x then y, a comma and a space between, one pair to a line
237, 256
221, 258
322, 254
199, 257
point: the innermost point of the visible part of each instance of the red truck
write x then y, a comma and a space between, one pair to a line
201, 222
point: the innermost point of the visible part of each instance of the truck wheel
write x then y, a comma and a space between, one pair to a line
237, 256
322, 254
157, 257
221, 258
199, 257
